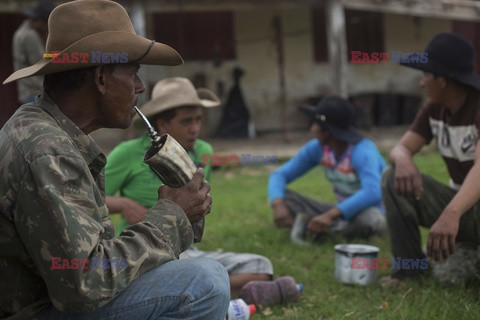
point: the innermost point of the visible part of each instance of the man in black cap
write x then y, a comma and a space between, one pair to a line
351, 163
29, 46
451, 117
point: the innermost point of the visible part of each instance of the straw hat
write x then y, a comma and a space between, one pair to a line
177, 92
95, 25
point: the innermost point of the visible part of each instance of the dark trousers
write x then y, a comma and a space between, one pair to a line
405, 216
366, 223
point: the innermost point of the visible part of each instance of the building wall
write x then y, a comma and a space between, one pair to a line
256, 54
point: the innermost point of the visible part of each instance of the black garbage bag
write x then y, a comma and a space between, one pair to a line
235, 117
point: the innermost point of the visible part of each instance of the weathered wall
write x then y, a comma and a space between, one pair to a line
304, 77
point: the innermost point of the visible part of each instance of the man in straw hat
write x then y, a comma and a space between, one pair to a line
451, 117
175, 108
59, 257
351, 163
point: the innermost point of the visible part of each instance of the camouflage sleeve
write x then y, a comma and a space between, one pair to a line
64, 224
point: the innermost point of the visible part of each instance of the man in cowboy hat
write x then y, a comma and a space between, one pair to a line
59, 257
451, 117
175, 108
351, 163
28, 46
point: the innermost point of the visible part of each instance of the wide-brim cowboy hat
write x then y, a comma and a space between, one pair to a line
177, 92
337, 116
95, 26
449, 55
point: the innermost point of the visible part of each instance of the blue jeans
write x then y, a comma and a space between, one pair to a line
180, 289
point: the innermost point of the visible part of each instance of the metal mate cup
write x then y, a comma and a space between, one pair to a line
172, 164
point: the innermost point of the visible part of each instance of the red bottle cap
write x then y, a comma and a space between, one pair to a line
252, 309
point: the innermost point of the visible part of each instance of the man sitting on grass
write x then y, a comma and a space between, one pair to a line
52, 206
175, 108
350, 162
451, 117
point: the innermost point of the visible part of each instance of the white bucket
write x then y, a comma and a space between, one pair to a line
343, 264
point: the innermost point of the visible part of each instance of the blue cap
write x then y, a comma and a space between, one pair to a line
300, 287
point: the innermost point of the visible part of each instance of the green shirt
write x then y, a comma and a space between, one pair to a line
127, 174
52, 206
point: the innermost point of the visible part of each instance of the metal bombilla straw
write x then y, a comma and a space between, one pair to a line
153, 134
171, 163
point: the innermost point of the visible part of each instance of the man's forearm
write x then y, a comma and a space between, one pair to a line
467, 196
114, 204
407, 147
276, 202
399, 153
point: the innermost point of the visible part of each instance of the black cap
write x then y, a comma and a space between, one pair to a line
336, 115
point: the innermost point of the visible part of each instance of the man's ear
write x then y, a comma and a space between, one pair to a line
100, 79
443, 81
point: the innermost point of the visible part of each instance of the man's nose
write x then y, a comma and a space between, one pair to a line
195, 127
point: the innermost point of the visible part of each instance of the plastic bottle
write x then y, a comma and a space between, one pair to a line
268, 293
239, 310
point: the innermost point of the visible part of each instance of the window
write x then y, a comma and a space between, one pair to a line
364, 32
197, 35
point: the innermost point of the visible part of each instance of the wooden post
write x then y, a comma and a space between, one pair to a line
278, 40
337, 46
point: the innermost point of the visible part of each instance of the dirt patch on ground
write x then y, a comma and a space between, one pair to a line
273, 143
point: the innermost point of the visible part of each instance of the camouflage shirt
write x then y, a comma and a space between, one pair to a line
53, 218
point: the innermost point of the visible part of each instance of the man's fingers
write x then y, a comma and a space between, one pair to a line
203, 208
284, 222
198, 177
451, 245
402, 186
409, 188
311, 226
418, 187
205, 188
430, 245
436, 248
316, 226
444, 247
209, 203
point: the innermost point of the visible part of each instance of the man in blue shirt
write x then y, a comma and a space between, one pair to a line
350, 162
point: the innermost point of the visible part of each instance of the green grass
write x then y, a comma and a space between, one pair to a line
241, 221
